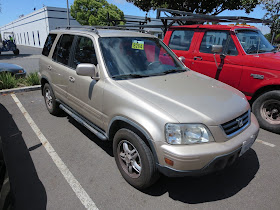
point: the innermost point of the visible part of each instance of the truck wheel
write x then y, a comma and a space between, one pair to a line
51, 103
267, 110
16, 51
134, 159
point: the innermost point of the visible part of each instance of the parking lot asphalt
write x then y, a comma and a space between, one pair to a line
28, 58
252, 183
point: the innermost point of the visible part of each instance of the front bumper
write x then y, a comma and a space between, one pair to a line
200, 159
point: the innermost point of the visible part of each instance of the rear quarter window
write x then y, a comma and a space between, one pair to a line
181, 40
48, 44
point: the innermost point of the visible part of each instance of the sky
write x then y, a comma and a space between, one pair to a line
12, 9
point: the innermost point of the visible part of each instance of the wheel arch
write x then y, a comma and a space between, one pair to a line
43, 81
119, 122
263, 90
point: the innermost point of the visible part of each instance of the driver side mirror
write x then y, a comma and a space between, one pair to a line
217, 49
87, 69
182, 59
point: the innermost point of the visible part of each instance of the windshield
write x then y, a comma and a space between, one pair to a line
254, 42
135, 57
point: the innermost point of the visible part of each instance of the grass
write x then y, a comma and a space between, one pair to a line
8, 81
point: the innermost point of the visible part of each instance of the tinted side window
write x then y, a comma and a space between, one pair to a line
48, 44
231, 50
62, 50
84, 51
181, 40
211, 38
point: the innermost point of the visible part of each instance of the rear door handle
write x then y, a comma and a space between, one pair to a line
198, 58
71, 79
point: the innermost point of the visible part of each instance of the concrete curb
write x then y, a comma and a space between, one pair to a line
21, 89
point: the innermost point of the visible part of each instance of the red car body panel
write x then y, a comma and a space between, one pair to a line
246, 72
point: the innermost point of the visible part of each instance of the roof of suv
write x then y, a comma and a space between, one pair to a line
105, 32
215, 27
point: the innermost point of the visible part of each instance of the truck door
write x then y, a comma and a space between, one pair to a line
224, 66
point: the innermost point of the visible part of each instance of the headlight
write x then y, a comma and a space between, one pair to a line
187, 134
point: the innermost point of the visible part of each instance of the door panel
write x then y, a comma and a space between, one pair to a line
84, 93
227, 68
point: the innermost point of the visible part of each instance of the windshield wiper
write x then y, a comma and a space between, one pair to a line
274, 50
174, 71
129, 76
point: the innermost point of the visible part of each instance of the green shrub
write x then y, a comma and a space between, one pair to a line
7, 81
33, 79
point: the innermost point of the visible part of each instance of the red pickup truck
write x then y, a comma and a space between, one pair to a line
236, 55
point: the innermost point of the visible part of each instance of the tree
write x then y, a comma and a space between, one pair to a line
197, 6
273, 13
95, 12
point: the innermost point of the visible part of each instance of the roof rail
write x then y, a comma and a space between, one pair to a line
177, 16
91, 28
95, 28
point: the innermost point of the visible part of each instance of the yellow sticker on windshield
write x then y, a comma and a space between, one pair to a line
138, 45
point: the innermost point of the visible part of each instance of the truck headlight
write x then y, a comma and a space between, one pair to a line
187, 134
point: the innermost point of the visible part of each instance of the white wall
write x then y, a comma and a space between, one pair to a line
33, 29
30, 30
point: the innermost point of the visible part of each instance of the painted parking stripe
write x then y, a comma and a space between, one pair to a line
72, 181
265, 143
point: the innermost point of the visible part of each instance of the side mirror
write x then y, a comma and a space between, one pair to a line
86, 69
217, 49
182, 59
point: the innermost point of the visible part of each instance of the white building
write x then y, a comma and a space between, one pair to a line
33, 29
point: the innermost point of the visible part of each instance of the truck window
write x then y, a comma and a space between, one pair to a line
84, 52
48, 44
62, 49
181, 40
253, 42
231, 49
211, 38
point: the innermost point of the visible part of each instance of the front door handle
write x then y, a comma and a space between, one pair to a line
49, 68
198, 58
71, 79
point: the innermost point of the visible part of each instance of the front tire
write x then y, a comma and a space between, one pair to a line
51, 103
16, 51
267, 110
134, 159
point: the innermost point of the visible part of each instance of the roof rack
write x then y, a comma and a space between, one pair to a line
179, 17
95, 28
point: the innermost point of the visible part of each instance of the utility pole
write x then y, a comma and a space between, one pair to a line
68, 19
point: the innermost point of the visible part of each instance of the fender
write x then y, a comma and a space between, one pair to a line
138, 127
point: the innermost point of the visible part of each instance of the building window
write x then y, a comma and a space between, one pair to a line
33, 37
39, 38
24, 38
20, 38
28, 38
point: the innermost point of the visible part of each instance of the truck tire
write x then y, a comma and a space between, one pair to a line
16, 51
134, 159
267, 110
51, 104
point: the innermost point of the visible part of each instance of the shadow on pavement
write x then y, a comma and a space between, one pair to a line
212, 187
26, 189
12, 56
105, 145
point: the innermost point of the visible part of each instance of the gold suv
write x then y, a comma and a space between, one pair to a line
131, 89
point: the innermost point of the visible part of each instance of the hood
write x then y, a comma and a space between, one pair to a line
9, 67
190, 97
264, 61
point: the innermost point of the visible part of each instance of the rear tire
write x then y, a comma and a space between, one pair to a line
134, 159
267, 110
50, 101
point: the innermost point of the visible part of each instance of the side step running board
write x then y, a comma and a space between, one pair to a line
95, 131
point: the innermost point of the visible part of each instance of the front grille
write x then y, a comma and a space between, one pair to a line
236, 125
